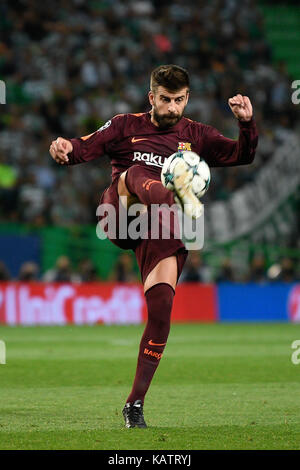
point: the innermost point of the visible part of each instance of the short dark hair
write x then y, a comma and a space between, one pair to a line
172, 77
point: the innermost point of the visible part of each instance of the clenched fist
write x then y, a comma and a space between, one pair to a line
241, 107
59, 150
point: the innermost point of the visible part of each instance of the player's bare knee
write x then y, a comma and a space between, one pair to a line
165, 271
123, 190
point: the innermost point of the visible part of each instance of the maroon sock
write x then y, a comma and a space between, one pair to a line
148, 190
159, 299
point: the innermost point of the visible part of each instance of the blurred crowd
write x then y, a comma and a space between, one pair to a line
286, 269
70, 67
124, 270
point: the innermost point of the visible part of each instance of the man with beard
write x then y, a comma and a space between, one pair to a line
137, 145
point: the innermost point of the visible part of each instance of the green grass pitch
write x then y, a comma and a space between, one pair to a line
218, 386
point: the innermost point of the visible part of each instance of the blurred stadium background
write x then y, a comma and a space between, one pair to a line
71, 67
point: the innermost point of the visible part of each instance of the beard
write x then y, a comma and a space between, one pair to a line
165, 121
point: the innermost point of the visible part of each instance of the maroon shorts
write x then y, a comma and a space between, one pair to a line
148, 251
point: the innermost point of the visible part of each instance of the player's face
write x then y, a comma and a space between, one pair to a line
167, 107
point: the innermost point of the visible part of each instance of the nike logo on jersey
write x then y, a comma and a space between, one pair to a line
156, 344
134, 140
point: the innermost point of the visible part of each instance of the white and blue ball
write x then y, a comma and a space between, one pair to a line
198, 169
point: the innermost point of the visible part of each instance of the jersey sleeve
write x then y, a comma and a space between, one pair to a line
93, 146
218, 150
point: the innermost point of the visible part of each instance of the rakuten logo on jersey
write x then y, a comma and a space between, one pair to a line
149, 158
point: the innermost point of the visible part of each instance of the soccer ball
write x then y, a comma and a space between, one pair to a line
198, 169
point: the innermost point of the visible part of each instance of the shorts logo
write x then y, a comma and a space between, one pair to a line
184, 146
147, 185
152, 353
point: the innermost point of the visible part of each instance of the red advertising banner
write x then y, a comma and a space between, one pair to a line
96, 303
195, 302
294, 303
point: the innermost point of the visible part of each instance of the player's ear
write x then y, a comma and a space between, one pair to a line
151, 97
187, 97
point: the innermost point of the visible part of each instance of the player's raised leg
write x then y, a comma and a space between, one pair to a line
136, 183
137, 186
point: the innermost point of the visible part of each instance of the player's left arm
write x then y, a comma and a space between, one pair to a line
241, 107
218, 150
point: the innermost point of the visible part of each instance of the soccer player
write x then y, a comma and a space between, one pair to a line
137, 145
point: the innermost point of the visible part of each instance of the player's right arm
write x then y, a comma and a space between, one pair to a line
89, 147
59, 150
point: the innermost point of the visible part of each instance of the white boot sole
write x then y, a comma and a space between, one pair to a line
183, 177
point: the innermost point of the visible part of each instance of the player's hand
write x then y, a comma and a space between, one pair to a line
59, 150
241, 107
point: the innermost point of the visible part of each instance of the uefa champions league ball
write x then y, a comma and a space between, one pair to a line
198, 169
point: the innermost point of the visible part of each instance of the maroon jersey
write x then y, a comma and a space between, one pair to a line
130, 139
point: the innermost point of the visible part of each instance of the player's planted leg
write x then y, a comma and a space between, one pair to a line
133, 415
159, 299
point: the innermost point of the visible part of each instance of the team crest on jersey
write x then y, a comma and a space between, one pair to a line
184, 146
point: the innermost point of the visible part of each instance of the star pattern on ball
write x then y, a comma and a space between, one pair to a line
168, 177
195, 169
